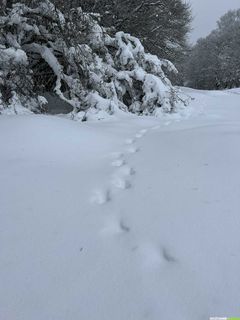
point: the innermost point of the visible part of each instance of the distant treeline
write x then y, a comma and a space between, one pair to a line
214, 62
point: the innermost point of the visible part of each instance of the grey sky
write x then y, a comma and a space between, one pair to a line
206, 13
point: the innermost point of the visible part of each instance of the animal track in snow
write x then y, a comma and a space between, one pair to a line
154, 257
150, 255
127, 171
117, 155
133, 149
168, 257
101, 196
114, 226
139, 135
119, 179
118, 163
121, 183
130, 141
124, 227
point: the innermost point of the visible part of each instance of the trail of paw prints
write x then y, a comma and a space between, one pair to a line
151, 258
141, 133
165, 124
122, 177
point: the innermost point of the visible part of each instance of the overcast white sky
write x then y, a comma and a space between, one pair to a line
206, 13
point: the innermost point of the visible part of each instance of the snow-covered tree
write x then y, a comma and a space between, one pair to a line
42, 49
161, 25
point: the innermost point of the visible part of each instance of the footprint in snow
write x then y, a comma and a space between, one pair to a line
121, 183
133, 150
124, 227
167, 256
117, 155
127, 171
154, 257
114, 226
151, 256
101, 197
139, 135
118, 163
130, 141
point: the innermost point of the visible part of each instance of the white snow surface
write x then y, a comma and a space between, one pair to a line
129, 218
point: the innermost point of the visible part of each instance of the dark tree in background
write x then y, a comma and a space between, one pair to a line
161, 25
4, 4
214, 61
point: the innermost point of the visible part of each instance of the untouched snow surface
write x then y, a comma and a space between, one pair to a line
129, 219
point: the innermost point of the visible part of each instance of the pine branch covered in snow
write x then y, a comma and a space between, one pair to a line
43, 50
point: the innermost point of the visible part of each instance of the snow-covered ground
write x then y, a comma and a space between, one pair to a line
126, 219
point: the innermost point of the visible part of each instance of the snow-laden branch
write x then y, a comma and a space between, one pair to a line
73, 56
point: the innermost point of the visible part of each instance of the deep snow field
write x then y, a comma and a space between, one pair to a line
125, 219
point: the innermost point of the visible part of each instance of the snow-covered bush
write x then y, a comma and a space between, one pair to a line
72, 55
